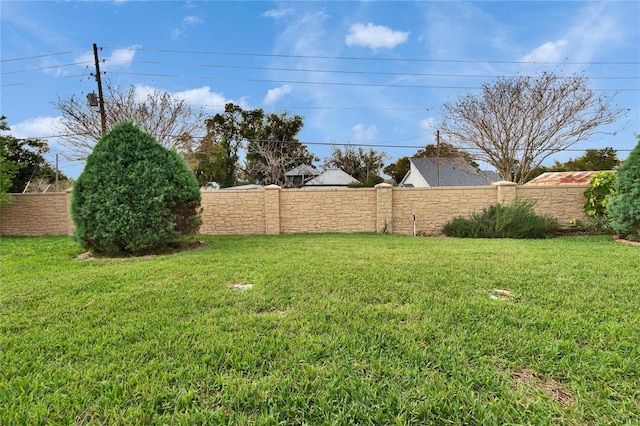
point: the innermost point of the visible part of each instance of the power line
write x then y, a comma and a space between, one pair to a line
41, 56
328, 71
329, 83
45, 68
356, 58
22, 83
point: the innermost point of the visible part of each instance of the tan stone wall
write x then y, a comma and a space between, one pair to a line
565, 202
433, 207
278, 211
327, 210
37, 214
229, 212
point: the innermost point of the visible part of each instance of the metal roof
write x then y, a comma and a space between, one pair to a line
303, 170
563, 178
332, 177
453, 171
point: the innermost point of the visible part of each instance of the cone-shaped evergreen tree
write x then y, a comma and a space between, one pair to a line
624, 207
134, 195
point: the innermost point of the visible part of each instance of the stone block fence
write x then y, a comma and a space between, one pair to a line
274, 210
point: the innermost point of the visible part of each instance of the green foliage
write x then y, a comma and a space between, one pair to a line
593, 159
22, 161
516, 220
134, 195
270, 142
8, 167
274, 149
399, 169
360, 164
599, 193
624, 206
371, 181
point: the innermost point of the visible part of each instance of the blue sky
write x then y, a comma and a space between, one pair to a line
371, 73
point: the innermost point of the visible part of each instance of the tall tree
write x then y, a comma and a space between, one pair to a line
159, 113
593, 159
216, 158
8, 168
360, 163
518, 122
23, 161
274, 149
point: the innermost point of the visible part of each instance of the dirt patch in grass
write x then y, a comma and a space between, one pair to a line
170, 249
554, 389
625, 241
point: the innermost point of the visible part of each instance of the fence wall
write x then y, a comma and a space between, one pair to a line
273, 210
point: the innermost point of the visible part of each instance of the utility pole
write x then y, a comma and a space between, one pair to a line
103, 116
438, 156
57, 186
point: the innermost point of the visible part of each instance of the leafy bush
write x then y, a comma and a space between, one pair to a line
602, 188
516, 220
134, 195
624, 207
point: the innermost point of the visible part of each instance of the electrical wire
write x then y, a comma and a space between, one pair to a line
377, 59
327, 71
328, 83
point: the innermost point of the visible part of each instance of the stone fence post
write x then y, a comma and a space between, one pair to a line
272, 210
506, 191
384, 208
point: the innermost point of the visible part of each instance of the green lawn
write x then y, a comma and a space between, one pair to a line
337, 329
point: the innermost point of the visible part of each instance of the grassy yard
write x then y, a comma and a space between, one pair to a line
337, 329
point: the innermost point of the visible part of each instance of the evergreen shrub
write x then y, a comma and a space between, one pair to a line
134, 195
624, 207
515, 220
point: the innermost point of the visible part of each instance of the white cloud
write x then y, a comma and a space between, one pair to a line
277, 13
45, 128
123, 57
36, 127
362, 133
119, 58
273, 95
187, 21
428, 126
374, 36
547, 52
201, 97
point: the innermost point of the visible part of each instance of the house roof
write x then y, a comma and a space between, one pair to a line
563, 178
244, 187
303, 170
332, 177
453, 171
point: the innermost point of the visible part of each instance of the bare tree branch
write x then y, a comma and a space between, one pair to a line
169, 119
518, 122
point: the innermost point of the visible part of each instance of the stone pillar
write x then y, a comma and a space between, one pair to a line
384, 208
506, 191
272, 210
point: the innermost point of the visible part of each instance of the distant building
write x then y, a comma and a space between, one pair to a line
448, 171
298, 176
332, 178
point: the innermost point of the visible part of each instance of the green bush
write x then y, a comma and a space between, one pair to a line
134, 195
624, 207
516, 220
598, 195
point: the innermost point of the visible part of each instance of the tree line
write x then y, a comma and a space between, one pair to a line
514, 124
